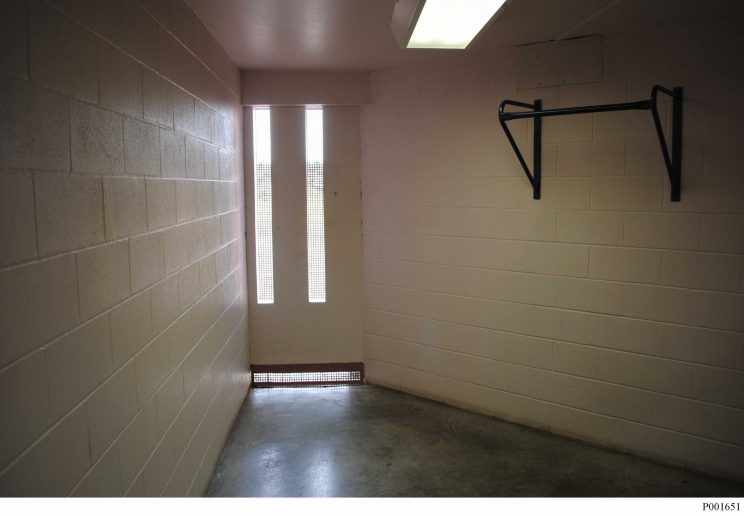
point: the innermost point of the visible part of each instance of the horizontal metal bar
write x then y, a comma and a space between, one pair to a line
515, 103
298, 385
333, 367
662, 89
641, 104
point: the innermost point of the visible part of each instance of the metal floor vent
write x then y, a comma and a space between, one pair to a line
304, 375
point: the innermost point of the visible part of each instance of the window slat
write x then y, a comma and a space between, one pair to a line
262, 184
316, 275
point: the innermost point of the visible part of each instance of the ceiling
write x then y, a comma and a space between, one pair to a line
355, 34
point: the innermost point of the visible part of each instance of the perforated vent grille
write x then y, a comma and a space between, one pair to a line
318, 377
298, 375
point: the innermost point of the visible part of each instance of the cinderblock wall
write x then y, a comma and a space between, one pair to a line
122, 274
602, 311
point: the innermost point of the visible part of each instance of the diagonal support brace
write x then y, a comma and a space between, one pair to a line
535, 177
673, 163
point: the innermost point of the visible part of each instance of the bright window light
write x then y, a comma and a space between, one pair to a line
451, 23
315, 216
262, 183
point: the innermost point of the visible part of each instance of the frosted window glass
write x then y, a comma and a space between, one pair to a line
315, 209
262, 183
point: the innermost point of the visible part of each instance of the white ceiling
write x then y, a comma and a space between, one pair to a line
355, 34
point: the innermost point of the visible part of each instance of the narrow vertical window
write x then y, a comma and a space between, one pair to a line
262, 184
315, 217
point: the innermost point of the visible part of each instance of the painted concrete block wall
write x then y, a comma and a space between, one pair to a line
123, 330
603, 311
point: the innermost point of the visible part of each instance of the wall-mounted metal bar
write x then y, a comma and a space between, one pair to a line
673, 163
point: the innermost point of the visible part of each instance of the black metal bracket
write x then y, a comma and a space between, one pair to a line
673, 162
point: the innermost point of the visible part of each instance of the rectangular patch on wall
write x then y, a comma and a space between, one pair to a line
555, 63
305, 375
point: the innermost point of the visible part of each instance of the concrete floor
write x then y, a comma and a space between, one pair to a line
370, 441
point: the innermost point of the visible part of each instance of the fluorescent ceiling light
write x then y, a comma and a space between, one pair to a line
451, 23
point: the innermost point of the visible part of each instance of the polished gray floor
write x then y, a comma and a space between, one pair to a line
370, 441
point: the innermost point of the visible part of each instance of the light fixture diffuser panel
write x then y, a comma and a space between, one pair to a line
452, 23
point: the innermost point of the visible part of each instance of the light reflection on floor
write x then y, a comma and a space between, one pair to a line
369, 441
